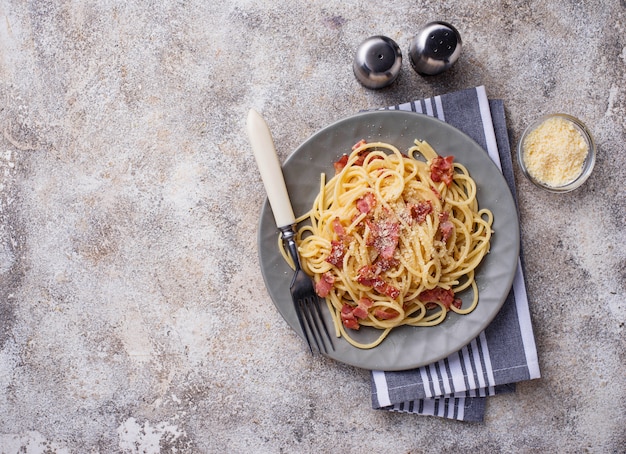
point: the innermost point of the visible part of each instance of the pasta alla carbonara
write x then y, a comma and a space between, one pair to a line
392, 238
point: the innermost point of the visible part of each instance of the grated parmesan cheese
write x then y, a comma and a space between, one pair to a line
554, 152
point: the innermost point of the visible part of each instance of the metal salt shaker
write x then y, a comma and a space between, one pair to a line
435, 48
377, 62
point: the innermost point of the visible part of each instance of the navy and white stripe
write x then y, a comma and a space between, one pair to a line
456, 386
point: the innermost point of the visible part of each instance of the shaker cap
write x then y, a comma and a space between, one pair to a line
435, 48
377, 62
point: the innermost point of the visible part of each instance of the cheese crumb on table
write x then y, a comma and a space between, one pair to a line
554, 152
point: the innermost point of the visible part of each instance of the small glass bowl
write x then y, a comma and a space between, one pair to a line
588, 163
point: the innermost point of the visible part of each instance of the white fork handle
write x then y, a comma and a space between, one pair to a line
269, 166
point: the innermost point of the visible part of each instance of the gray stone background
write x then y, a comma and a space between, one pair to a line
133, 314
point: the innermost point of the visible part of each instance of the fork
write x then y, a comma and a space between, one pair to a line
306, 301
305, 298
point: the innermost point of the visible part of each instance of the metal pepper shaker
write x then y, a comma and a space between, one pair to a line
377, 62
435, 48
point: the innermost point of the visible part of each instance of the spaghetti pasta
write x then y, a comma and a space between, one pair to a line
391, 239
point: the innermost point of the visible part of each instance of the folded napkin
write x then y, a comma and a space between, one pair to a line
505, 352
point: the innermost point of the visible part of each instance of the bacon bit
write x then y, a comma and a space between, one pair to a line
361, 311
366, 203
361, 159
388, 240
445, 226
382, 264
346, 311
420, 210
347, 317
340, 163
385, 289
337, 253
325, 284
368, 276
338, 228
385, 315
338, 248
384, 235
446, 230
358, 144
441, 295
442, 169
350, 315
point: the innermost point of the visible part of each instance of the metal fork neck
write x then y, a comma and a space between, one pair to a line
289, 237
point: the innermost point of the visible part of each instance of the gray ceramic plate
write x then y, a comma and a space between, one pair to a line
405, 347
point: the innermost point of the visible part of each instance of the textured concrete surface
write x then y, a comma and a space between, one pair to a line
133, 313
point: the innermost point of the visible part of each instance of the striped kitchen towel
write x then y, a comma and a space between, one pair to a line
505, 352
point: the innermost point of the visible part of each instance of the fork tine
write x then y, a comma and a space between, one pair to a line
299, 313
319, 313
317, 317
311, 323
